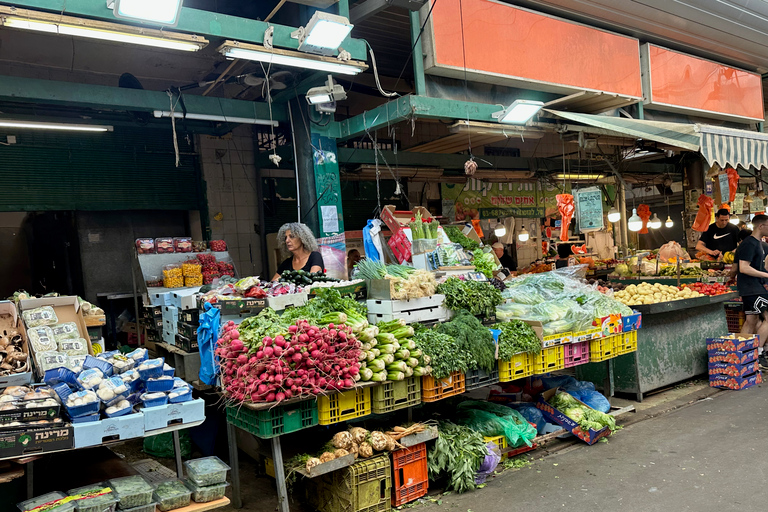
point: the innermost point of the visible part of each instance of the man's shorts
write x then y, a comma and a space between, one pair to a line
755, 304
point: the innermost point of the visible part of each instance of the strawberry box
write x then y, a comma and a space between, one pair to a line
731, 344
733, 370
735, 382
555, 416
738, 357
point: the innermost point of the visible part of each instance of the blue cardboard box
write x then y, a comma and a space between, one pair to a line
110, 429
738, 357
735, 382
554, 416
173, 414
632, 322
731, 343
733, 370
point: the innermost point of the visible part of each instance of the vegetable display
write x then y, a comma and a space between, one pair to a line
485, 262
423, 228
646, 293
476, 297
442, 352
455, 235
404, 282
475, 340
516, 337
389, 353
457, 453
303, 278
586, 417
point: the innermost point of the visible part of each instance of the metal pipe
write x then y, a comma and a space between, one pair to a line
419, 81
295, 163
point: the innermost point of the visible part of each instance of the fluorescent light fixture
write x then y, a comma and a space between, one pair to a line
634, 223
323, 34
8, 123
655, 222
319, 98
523, 235
237, 50
92, 29
207, 117
162, 12
734, 220
614, 215
518, 112
579, 177
669, 223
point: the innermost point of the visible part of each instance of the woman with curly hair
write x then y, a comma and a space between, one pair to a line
297, 239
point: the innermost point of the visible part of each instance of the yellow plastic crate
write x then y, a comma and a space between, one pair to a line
626, 343
501, 441
549, 360
603, 349
343, 406
519, 367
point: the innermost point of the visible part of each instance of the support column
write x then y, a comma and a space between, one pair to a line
420, 84
305, 170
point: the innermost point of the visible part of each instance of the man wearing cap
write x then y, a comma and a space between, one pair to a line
721, 237
505, 259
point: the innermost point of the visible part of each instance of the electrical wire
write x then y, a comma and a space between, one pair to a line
416, 42
376, 74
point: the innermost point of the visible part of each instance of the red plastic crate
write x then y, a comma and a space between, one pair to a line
576, 353
409, 474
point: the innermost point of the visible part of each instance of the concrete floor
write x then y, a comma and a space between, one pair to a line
709, 456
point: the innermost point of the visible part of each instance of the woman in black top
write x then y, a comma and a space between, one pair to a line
297, 239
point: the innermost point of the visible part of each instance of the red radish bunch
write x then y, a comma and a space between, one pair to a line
309, 360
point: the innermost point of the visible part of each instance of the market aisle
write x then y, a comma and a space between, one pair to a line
710, 456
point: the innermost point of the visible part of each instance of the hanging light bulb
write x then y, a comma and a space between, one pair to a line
734, 220
499, 230
614, 215
669, 223
523, 236
655, 222
750, 226
634, 223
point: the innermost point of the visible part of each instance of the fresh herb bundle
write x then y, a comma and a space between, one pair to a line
458, 451
476, 297
475, 339
516, 337
443, 353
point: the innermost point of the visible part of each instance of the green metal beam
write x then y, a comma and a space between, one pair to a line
194, 21
420, 84
315, 79
50, 92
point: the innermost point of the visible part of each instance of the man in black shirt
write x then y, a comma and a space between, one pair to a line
750, 258
720, 237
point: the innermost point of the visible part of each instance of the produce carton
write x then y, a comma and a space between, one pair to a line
238, 306
10, 321
732, 343
184, 299
27, 414
735, 382
396, 220
611, 324
120, 428
632, 322
154, 323
557, 339
401, 246
173, 414
187, 344
588, 335
30, 442
358, 291
733, 370
67, 310
727, 356
289, 300
554, 416
160, 298
187, 330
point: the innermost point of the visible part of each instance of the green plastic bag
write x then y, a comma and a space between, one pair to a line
162, 445
502, 420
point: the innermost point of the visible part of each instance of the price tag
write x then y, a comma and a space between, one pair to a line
738, 204
757, 205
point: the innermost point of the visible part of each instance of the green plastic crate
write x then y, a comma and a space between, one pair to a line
365, 486
275, 421
391, 396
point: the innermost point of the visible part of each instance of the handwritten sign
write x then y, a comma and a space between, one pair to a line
589, 208
737, 207
757, 205
725, 189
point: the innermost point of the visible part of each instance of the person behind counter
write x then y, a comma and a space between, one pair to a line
721, 237
564, 253
504, 258
353, 258
297, 239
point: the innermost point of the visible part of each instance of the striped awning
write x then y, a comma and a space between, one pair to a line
722, 146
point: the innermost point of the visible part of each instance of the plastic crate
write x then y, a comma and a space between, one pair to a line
478, 378
519, 367
501, 442
343, 406
276, 421
433, 389
603, 349
734, 316
626, 342
364, 486
410, 478
549, 360
578, 353
391, 396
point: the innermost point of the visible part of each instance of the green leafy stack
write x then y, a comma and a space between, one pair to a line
484, 262
475, 340
442, 352
458, 453
456, 236
585, 416
389, 353
516, 337
476, 297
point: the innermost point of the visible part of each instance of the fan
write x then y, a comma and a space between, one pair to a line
277, 81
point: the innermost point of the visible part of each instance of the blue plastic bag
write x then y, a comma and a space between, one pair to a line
596, 401
371, 252
207, 335
558, 381
530, 413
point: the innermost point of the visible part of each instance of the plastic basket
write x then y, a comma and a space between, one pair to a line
602, 349
362, 487
478, 378
549, 360
625, 343
95, 362
343, 406
578, 353
433, 389
409, 474
501, 441
519, 367
734, 316
391, 396
275, 421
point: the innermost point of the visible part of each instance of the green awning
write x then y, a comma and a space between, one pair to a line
722, 146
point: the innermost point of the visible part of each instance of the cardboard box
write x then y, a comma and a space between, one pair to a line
735, 382
190, 316
358, 291
170, 314
30, 442
10, 321
187, 330
632, 322
184, 299
159, 298
290, 300
609, 325
720, 356
401, 247
187, 344
239, 306
733, 370
121, 428
169, 337
173, 414
30, 414
588, 335
67, 309
557, 339
554, 416
152, 312
398, 219
731, 344
171, 326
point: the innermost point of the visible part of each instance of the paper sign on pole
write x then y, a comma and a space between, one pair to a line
589, 208
737, 207
757, 205
725, 188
